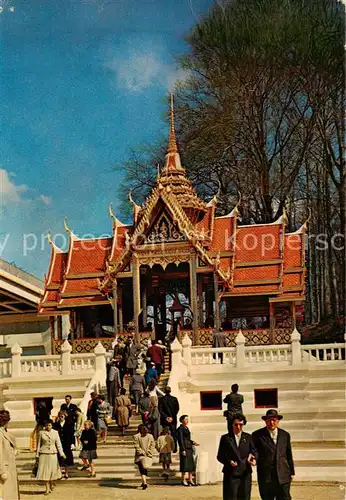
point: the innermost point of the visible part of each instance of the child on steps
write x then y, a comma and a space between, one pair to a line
165, 446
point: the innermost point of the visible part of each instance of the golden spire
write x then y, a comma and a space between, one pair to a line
172, 145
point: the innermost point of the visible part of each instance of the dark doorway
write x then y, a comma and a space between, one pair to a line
266, 398
211, 400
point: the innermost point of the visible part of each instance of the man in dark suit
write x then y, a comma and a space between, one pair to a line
70, 409
169, 409
234, 402
275, 466
237, 453
219, 341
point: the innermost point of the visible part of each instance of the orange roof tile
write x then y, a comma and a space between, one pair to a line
79, 301
292, 279
57, 267
222, 234
88, 256
255, 289
258, 242
293, 250
256, 273
205, 224
49, 298
118, 243
81, 285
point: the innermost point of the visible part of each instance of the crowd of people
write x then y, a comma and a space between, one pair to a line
54, 441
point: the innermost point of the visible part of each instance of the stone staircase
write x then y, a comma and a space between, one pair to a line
115, 462
18, 396
312, 402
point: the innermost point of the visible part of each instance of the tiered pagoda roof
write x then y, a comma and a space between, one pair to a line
257, 259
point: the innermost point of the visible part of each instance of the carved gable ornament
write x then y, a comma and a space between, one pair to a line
164, 230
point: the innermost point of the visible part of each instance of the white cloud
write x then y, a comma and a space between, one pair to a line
12, 193
140, 69
47, 200
9, 191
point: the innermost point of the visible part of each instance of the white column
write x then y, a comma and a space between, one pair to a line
296, 348
186, 344
66, 349
202, 467
16, 352
115, 307
240, 350
177, 366
100, 364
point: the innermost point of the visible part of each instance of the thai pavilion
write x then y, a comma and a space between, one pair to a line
177, 264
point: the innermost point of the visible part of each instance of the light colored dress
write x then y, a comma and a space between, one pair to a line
49, 445
8, 488
123, 404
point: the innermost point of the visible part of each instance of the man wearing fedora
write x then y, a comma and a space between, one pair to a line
237, 454
275, 466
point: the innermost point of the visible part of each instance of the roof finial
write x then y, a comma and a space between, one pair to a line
49, 237
158, 171
131, 199
172, 145
67, 229
111, 213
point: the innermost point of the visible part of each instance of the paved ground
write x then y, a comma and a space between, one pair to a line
308, 491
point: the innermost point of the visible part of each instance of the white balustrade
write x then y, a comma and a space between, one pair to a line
323, 352
82, 362
211, 356
5, 368
268, 354
40, 364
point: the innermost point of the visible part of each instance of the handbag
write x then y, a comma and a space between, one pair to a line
146, 462
35, 468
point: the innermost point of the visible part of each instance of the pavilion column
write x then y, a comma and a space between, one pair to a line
217, 305
136, 296
144, 302
272, 321
121, 318
193, 298
200, 299
115, 308
293, 311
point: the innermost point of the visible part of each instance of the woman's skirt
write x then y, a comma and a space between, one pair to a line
187, 463
88, 455
48, 468
101, 425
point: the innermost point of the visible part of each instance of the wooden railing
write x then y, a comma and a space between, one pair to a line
87, 345
261, 336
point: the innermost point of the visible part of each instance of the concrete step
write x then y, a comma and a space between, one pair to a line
219, 425
112, 480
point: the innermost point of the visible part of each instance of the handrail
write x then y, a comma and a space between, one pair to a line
323, 346
273, 347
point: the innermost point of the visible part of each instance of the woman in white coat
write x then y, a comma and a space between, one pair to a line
8, 472
48, 448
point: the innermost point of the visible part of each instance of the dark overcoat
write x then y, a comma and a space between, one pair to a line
271, 456
236, 480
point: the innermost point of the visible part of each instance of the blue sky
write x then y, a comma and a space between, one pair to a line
82, 81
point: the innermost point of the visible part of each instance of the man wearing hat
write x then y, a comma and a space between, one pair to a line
275, 466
